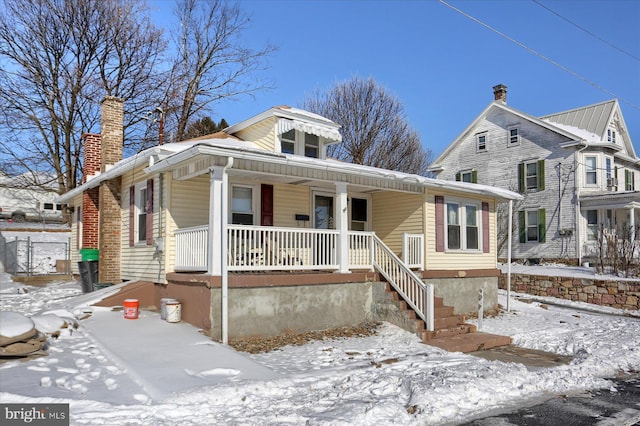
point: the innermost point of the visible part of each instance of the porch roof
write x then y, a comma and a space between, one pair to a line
614, 200
200, 157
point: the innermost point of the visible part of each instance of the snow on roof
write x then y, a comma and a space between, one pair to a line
581, 133
592, 118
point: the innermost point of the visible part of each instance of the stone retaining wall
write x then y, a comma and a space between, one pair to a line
616, 294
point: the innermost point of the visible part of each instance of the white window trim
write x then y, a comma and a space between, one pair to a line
586, 225
526, 225
367, 224
518, 137
586, 171
486, 139
136, 217
462, 215
255, 200
300, 144
526, 185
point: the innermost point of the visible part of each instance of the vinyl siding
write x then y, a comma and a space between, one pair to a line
262, 134
456, 260
289, 200
138, 262
396, 213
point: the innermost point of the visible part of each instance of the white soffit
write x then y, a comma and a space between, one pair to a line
284, 125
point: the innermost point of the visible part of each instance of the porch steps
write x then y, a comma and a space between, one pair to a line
450, 330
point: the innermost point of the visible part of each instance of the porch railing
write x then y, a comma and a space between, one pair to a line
412, 250
411, 288
191, 248
269, 248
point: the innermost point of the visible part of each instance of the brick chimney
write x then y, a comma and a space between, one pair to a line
500, 93
112, 138
90, 198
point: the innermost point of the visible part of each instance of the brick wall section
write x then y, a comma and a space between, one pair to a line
90, 199
112, 137
92, 153
615, 294
90, 218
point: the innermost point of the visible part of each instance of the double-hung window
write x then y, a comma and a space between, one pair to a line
591, 167
532, 226
311, 145
242, 205
514, 136
462, 226
141, 210
629, 180
470, 176
592, 225
288, 142
481, 142
531, 176
611, 136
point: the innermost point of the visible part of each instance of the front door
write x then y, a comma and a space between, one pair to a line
323, 214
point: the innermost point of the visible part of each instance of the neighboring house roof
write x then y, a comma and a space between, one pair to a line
593, 121
435, 166
294, 118
593, 118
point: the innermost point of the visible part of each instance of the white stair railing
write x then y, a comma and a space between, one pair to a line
417, 294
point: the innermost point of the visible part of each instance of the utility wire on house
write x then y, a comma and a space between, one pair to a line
541, 56
631, 55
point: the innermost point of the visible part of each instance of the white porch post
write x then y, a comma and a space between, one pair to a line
632, 224
216, 204
342, 224
509, 255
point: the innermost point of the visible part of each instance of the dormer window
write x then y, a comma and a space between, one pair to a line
611, 136
311, 145
300, 143
288, 142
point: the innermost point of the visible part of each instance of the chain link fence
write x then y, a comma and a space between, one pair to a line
28, 257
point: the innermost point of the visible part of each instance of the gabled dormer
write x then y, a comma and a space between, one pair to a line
288, 130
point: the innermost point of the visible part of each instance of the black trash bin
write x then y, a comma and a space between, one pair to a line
88, 274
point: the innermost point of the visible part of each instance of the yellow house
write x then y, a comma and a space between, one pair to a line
257, 232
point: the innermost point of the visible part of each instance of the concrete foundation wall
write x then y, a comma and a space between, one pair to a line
462, 293
271, 311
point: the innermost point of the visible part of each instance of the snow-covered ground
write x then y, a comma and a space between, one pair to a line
390, 378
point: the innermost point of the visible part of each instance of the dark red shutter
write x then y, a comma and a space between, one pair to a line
439, 223
486, 243
132, 214
149, 212
266, 205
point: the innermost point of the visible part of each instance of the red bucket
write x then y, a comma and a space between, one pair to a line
131, 308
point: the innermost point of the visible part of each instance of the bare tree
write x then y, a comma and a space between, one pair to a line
59, 59
211, 64
374, 129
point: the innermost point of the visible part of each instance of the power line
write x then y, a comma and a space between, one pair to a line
587, 31
541, 56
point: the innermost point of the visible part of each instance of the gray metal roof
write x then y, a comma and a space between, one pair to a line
592, 118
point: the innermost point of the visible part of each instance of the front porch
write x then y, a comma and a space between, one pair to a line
268, 248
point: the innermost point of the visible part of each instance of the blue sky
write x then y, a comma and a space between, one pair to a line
442, 65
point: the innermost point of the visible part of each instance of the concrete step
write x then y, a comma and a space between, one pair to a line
447, 322
446, 332
470, 342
